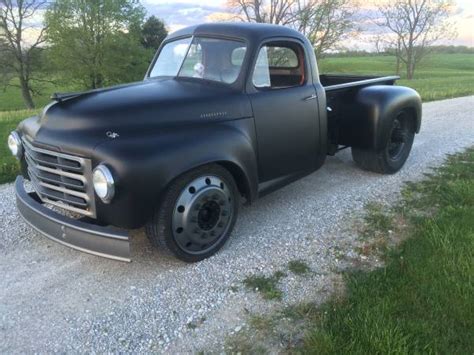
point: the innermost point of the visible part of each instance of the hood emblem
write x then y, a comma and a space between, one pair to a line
112, 135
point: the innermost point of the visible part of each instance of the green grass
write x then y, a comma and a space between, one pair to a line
267, 286
11, 99
8, 122
298, 267
439, 76
422, 301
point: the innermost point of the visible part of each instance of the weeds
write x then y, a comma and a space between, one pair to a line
267, 286
298, 267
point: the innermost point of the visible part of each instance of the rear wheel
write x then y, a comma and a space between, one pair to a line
393, 156
197, 214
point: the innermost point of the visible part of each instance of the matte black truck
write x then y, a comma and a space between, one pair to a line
226, 113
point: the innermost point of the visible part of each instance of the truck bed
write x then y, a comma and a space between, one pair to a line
333, 82
341, 91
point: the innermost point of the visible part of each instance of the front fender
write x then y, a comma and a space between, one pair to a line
144, 166
368, 122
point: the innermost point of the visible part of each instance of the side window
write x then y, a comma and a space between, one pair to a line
279, 65
282, 57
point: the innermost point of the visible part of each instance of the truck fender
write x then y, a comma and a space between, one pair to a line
146, 165
368, 123
224, 145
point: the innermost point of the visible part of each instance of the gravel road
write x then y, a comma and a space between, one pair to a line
56, 299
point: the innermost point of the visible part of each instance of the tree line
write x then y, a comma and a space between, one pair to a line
96, 43
406, 28
93, 43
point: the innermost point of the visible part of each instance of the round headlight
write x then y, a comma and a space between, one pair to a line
14, 144
103, 182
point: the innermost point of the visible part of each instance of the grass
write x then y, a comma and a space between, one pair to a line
377, 230
8, 122
11, 99
439, 76
298, 267
267, 286
422, 300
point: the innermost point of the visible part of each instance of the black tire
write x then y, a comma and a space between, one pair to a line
393, 156
196, 215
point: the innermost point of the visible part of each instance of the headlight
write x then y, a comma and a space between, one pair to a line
103, 182
14, 144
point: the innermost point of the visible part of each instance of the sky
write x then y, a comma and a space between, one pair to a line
182, 13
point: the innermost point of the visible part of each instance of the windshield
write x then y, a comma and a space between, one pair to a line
202, 58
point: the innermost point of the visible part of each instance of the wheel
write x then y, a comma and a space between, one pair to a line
197, 214
397, 148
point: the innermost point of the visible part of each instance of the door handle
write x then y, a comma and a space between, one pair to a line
312, 97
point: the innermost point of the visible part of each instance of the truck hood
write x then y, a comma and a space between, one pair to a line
79, 122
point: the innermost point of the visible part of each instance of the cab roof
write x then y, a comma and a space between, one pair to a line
252, 32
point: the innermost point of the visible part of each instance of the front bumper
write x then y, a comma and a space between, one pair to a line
107, 242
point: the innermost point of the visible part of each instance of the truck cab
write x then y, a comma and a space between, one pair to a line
226, 113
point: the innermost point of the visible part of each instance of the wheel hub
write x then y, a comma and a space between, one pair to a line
208, 215
202, 214
398, 136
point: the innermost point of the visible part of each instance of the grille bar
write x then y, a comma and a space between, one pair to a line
60, 179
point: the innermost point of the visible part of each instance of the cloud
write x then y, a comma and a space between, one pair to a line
184, 12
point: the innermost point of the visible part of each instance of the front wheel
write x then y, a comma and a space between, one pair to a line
393, 156
197, 214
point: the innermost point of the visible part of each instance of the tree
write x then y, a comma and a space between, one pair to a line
415, 25
277, 12
324, 22
20, 54
153, 33
97, 42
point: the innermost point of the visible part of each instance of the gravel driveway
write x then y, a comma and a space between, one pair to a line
56, 299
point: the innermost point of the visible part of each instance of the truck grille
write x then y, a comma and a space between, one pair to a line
60, 179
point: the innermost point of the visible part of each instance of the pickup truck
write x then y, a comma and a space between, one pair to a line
226, 114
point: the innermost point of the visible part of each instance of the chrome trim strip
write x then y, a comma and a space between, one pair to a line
66, 191
53, 153
55, 171
32, 170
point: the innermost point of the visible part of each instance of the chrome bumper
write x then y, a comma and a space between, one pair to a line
107, 242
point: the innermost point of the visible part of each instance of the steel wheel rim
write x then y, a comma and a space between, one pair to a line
202, 214
398, 137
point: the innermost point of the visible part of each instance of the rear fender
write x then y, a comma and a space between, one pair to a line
367, 122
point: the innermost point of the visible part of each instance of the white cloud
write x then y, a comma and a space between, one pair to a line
182, 13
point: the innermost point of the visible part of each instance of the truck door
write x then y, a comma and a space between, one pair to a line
285, 108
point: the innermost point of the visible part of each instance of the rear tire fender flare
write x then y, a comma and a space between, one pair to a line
381, 104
